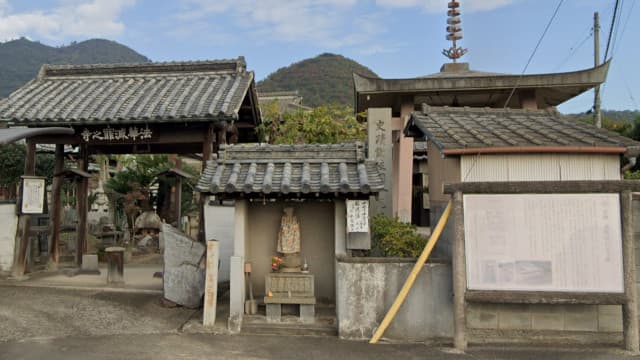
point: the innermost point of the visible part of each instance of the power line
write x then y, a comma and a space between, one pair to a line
534, 52
573, 50
613, 22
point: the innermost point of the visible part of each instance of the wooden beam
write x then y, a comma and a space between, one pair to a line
82, 198
543, 297
24, 220
459, 275
543, 187
56, 207
629, 308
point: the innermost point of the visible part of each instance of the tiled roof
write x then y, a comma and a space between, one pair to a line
291, 170
130, 93
488, 130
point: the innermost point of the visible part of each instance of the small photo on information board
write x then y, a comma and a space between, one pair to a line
33, 193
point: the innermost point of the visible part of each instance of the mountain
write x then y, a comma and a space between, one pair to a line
324, 79
21, 59
623, 116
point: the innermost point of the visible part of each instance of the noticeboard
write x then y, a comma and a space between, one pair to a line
543, 242
33, 193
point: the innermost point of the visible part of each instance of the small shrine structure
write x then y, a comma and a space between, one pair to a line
171, 108
318, 183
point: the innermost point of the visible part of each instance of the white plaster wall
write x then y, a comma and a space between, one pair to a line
539, 167
9, 226
219, 225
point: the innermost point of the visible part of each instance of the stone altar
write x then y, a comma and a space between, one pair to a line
290, 288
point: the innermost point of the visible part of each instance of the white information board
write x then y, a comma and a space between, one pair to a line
544, 242
33, 191
358, 216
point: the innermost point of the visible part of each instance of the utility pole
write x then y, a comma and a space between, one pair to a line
597, 117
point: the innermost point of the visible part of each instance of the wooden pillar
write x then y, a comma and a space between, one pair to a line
82, 198
24, 220
207, 150
178, 200
56, 207
629, 309
459, 275
405, 164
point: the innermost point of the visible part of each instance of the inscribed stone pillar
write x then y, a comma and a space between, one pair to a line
380, 149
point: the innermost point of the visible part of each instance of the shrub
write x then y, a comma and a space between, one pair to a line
394, 238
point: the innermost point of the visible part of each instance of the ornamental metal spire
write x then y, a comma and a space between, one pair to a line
454, 32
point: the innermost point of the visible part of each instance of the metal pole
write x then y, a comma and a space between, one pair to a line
597, 117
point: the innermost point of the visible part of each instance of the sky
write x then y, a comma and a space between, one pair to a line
394, 38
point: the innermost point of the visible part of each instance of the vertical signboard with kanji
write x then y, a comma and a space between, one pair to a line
381, 150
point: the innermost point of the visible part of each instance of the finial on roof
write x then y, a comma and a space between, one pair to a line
454, 32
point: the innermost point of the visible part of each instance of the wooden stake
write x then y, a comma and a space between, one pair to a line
211, 284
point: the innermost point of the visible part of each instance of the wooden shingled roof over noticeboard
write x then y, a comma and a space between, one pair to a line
466, 130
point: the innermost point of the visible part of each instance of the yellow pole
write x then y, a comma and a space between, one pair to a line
433, 239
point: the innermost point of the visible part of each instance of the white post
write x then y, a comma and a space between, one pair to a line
211, 284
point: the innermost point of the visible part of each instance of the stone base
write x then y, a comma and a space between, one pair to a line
274, 312
234, 324
307, 313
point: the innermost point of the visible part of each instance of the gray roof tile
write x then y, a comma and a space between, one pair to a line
455, 130
129, 93
291, 170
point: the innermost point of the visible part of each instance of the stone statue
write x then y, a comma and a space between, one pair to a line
289, 241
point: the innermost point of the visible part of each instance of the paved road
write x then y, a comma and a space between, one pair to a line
205, 346
52, 324
27, 312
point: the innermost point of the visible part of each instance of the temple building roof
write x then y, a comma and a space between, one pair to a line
199, 91
291, 171
465, 130
457, 85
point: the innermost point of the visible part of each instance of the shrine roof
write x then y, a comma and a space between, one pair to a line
261, 170
132, 93
459, 86
465, 130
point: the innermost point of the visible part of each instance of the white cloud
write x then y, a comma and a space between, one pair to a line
71, 18
439, 6
322, 22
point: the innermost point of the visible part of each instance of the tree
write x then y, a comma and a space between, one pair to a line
12, 158
131, 188
322, 125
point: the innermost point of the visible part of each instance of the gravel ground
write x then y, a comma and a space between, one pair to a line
27, 312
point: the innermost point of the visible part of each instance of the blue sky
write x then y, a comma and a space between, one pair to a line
395, 38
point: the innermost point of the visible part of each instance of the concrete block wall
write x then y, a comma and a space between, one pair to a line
9, 225
588, 318
366, 288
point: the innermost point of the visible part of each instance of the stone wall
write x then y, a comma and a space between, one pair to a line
9, 225
366, 288
579, 318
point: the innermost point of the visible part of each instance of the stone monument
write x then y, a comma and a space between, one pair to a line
289, 241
